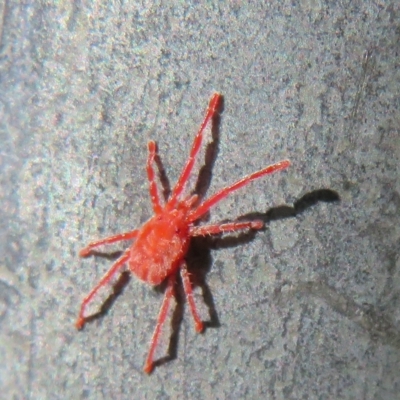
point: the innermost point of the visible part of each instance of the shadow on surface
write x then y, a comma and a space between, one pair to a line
301, 205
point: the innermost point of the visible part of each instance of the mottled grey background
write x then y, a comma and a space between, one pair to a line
308, 308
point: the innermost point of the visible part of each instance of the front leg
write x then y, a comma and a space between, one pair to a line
228, 227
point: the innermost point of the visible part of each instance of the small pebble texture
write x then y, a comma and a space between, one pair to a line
308, 308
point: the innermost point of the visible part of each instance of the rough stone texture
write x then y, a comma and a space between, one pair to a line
308, 308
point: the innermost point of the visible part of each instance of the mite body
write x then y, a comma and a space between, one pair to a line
160, 246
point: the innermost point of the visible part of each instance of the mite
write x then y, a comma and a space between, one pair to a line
159, 247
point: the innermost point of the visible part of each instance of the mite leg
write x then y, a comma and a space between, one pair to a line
187, 286
149, 365
207, 204
155, 198
212, 108
103, 281
111, 239
228, 227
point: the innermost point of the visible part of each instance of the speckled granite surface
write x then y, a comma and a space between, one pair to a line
308, 308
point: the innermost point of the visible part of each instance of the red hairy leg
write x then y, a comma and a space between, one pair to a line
155, 198
103, 281
228, 227
187, 286
207, 204
169, 292
212, 108
108, 240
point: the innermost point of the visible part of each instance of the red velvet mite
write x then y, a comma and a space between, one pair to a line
159, 247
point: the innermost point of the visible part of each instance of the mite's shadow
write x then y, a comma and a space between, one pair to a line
199, 258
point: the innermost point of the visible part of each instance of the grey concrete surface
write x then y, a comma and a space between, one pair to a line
309, 308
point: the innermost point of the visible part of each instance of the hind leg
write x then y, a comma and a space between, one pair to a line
103, 281
169, 292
